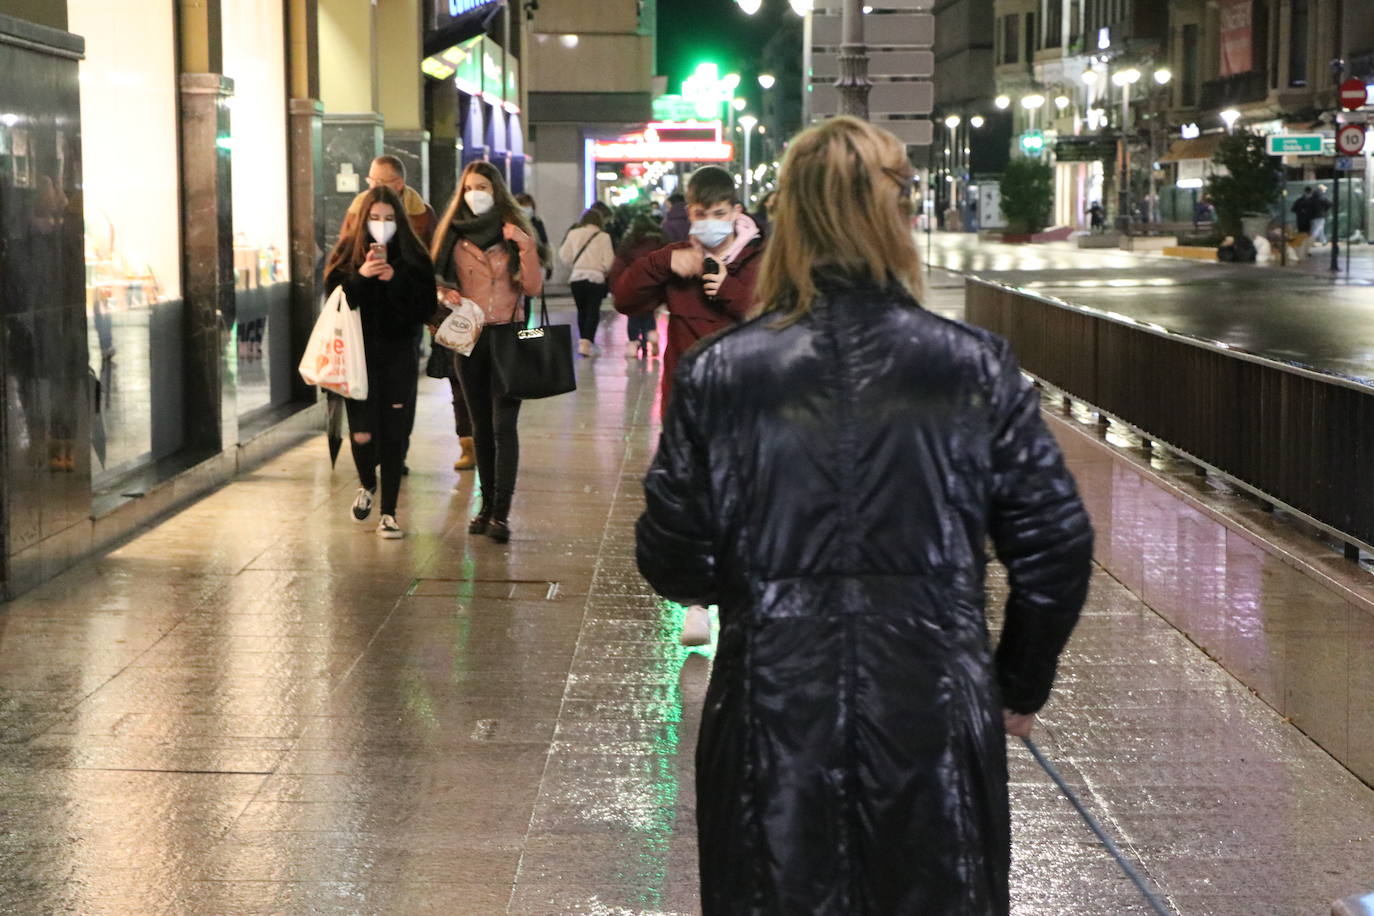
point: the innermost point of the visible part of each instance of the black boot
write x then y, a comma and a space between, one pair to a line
481, 522
498, 529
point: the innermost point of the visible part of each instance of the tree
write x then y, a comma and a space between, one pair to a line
1249, 183
1027, 195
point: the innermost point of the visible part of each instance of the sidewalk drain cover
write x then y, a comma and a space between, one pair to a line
499, 589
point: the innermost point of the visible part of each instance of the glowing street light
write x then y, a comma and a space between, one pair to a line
1089, 76
952, 121
1163, 75
1230, 116
1125, 78
731, 81
801, 7
1061, 102
1002, 102
750, 7
747, 121
976, 122
739, 104
766, 80
1032, 102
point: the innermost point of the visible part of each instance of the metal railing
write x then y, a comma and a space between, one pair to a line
1293, 436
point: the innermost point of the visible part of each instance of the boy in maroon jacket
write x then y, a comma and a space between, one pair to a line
708, 280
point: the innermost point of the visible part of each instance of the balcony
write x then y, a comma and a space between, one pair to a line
1238, 89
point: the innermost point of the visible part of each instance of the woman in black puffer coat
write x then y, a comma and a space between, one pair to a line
829, 474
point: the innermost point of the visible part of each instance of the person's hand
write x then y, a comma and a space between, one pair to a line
688, 262
372, 267
450, 296
514, 233
386, 272
710, 283
1018, 724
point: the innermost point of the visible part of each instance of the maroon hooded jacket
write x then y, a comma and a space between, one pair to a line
650, 282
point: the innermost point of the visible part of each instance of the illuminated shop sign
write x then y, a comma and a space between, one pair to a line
474, 66
668, 141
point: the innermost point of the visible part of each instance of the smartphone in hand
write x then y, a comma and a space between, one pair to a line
376, 251
710, 266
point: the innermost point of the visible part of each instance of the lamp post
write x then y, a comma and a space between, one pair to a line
747, 122
853, 82
1162, 77
951, 141
1125, 79
1033, 104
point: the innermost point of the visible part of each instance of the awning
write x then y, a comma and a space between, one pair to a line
1203, 147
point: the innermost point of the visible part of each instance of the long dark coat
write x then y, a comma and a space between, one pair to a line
831, 486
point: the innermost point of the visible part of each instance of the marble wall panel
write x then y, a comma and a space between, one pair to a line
45, 382
353, 140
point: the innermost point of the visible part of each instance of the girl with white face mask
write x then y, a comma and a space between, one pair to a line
483, 251
388, 277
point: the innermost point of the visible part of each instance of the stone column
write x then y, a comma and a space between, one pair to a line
308, 243
412, 148
208, 263
352, 140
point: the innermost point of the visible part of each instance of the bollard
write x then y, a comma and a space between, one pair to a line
1358, 905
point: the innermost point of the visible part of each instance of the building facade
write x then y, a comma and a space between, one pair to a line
591, 77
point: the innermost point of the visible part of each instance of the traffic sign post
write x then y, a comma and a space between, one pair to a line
1350, 139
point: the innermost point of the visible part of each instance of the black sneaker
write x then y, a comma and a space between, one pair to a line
479, 524
498, 530
362, 504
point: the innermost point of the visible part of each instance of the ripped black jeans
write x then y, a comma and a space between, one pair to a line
385, 419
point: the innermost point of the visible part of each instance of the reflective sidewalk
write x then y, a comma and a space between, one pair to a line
259, 706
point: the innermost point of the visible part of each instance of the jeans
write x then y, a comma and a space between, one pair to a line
1319, 230
462, 421
588, 295
385, 419
494, 421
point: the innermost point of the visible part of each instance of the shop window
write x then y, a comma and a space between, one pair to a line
255, 59
132, 231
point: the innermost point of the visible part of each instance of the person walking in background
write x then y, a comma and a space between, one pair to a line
588, 253
1097, 217
676, 222
643, 237
1321, 206
541, 234
1302, 212
708, 284
388, 277
829, 473
484, 249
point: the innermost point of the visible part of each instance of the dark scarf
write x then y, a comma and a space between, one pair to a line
482, 231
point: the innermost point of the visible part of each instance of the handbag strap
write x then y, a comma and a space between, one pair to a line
583, 250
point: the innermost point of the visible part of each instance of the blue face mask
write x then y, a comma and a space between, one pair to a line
712, 232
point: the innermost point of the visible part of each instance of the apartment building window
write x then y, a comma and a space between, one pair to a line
1031, 44
1076, 24
1297, 44
1011, 39
1188, 84
1054, 23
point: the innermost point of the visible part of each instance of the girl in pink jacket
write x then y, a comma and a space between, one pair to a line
483, 251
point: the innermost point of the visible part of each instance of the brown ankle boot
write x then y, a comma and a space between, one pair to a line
468, 459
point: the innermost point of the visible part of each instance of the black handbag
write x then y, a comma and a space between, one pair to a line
533, 362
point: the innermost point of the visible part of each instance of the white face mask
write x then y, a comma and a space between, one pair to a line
528, 211
381, 230
479, 202
712, 232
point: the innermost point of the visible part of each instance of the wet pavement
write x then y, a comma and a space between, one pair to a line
259, 706
1302, 316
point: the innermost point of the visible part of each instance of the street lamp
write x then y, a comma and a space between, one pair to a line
1089, 76
1163, 75
1061, 102
952, 121
766, 80
1125, 79
1002, 102
976, 122
1230, 116
1032, 104
748, 122
801, 7
750, 7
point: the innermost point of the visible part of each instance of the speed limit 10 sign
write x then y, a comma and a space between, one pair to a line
1350, 139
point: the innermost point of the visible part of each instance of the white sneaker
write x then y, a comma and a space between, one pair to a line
388, 528
584, 347
696, 629
362, 504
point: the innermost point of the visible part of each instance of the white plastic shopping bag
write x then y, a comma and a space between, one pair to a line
334, 357
461, 328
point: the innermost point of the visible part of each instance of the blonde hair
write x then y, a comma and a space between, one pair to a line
843, 201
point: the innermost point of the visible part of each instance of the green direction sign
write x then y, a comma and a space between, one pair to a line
1294, 144
1033, 142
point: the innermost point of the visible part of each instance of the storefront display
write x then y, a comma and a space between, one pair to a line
254, 58
132, 229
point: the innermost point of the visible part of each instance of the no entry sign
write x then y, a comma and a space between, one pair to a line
1350, 139
1353, 94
